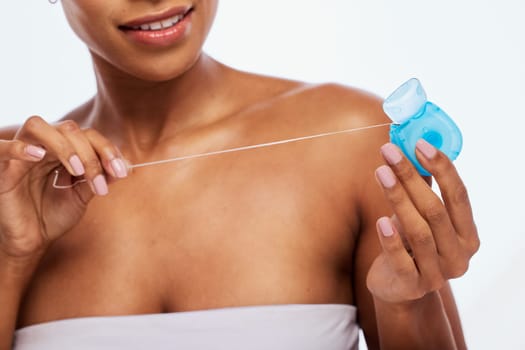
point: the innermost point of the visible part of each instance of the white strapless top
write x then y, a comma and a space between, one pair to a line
275, 327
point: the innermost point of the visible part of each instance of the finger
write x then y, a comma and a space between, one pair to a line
86, 161
398, 228
452, 189
110, 155
18, 150
37, 131
414, 228
83, 190
394, 249
426, 202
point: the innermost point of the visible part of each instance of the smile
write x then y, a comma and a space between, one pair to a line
162, 30
158, 24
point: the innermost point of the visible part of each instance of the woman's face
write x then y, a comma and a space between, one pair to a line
154, 40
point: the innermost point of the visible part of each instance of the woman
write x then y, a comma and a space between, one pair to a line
277, 247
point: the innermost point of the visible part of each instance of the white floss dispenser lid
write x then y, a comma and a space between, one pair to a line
405, 102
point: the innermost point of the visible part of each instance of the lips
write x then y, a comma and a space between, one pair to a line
158, 22
161, 30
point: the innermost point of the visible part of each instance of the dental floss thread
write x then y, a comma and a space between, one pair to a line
236, 149
413, 118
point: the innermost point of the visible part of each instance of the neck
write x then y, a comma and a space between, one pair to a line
141, 114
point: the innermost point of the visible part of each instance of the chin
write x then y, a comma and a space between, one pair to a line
148, 68
162, 70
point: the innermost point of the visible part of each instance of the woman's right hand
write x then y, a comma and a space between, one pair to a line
32, 212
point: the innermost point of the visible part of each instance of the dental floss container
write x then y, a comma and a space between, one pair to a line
416, 118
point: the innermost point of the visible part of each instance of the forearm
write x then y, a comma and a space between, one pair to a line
15, 274
422, 324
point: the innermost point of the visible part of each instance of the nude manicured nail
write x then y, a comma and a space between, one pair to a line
385, 226
426, 149
77, 166
119, 168
391, 153
100, 185
386, 176
35, 152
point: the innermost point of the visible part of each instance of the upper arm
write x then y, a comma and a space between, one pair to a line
356, 109
372, 205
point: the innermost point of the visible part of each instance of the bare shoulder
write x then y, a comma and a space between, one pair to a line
328, 101
347, 160
338, 103
294, 109
334, 107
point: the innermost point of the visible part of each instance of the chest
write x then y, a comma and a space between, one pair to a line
243, 230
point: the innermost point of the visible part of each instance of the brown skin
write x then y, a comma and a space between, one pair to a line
288, 224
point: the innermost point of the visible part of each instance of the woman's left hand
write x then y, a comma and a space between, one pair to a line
428, 240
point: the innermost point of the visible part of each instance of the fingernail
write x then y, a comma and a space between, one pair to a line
36, 152
101, 186
391, 153
385, 226
77, 166
426, 149
119, 168
386, 176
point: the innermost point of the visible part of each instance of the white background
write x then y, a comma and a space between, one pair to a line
469, 54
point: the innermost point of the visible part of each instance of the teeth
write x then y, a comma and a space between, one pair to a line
167, 23
155, 26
